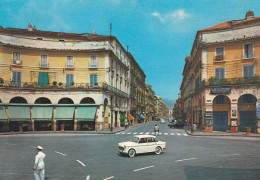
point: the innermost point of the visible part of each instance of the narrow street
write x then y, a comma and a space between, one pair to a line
85, 156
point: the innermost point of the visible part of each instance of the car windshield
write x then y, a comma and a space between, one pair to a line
135, 139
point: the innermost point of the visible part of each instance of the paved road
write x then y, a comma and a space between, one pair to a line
94, 157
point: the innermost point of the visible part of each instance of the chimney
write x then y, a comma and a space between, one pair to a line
249, 14
30, 27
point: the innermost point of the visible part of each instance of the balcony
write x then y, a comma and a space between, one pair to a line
254, 80
219, 58
17, 62
44, 65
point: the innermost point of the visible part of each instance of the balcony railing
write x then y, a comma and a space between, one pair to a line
254, 80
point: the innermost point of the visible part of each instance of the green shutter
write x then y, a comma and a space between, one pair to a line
3, 116
42, 113
86, 113
19, 113
43, 80
64, 113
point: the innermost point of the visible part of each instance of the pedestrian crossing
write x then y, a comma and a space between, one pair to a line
152, 133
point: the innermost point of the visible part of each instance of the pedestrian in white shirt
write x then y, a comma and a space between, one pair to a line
39, 166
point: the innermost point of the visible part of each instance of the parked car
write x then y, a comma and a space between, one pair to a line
175, 125
162, 121
141, 144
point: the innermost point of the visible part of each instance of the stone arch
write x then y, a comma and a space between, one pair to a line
221, 113
247, 112
42, 100
87, 100
65, 101
18, 99
106, 110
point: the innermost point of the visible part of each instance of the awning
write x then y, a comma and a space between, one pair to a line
64, 113
42, 113
86, 113
130, 117
19, 113
3, 116
140, 117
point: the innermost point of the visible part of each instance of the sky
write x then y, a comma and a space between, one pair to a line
158, 33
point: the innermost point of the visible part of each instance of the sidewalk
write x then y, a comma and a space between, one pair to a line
105, 131
220, 133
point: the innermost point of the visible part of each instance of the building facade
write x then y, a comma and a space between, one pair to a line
220, 87
137, 91
49, 79
149, 103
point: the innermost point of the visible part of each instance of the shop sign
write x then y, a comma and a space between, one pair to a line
258, 109
220, 90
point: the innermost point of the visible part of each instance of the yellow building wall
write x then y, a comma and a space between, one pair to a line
233, 56
57, 65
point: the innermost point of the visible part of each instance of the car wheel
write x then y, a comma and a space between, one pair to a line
131, 153
158, 150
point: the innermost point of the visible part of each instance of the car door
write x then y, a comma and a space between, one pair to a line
151, 144
142, 145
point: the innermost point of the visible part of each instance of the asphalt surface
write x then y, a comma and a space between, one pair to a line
95, 156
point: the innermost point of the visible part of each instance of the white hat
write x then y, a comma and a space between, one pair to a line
39, 147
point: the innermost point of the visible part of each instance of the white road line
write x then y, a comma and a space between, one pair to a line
178, 134
122, 133
185, 135
141, 133
147, 133
60, 153
88, 177
185, 159
165, 133
160, 133
172, 134
109, 178
225, 155
81, 163
143, 168
129, 133
135, 132
153, 133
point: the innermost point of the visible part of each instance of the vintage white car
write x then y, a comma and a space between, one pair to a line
141, 144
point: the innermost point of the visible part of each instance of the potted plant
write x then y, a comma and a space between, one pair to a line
60, 84
54, 83
1, 82
72, 84
25, 84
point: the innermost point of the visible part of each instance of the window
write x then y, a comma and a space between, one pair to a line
43, 79
93, 61
220, 99
16, 58
219, 51
197, 84
69, 80
151, 139
112, 80
70, 62
220, 73
143, 140
219, 54
93, 80
248, 51
17, 78
248, 70
247, 98
44, 61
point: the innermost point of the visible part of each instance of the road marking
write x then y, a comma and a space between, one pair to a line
81, 163
122, 133
147, 133
172, 134
88, 177
160, 133
12, 144
165, 133
60, 153
185, 135
185, 159
141, 133
178, 134
225, 155
143, 168
129, 133
109, 178
153, 133
135, 132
